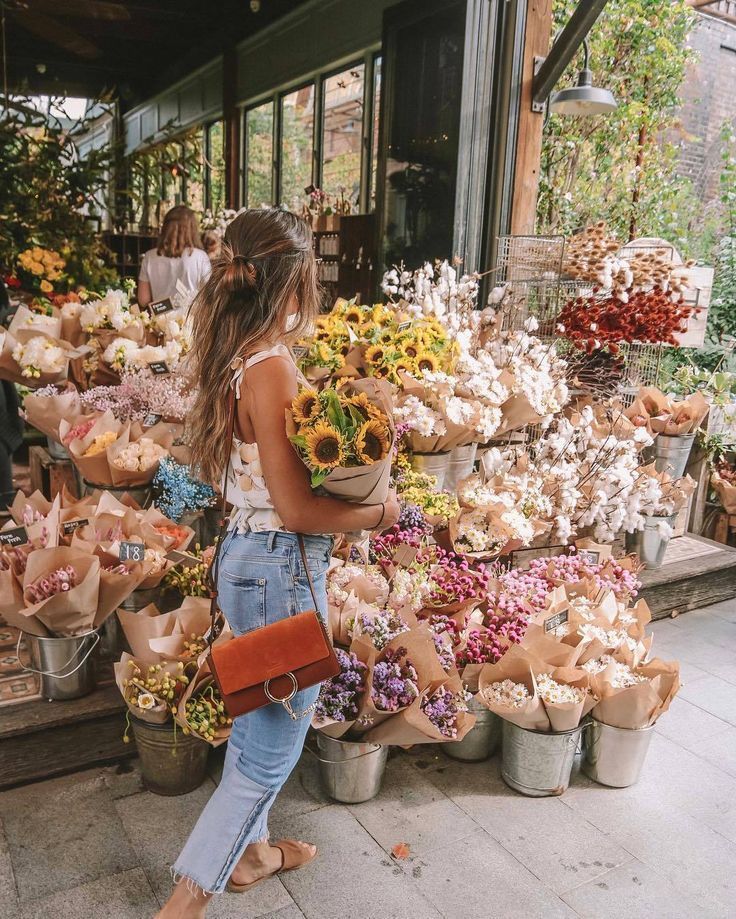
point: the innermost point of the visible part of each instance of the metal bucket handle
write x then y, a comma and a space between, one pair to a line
339, 762
58, 673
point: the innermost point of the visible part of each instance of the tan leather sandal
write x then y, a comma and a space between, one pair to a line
293, 856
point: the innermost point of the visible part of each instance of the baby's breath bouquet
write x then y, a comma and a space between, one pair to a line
344, 436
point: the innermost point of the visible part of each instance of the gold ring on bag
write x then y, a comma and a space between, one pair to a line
294, 689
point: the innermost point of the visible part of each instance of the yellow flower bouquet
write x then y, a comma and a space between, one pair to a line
345, 437
39, 268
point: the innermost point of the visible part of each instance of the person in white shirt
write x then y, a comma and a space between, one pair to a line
177, 257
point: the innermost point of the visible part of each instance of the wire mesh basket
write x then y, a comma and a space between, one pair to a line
540, 299
523, 258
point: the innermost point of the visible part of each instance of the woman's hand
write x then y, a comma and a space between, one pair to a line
391, 511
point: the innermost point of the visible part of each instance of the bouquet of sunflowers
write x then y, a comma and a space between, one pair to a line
345, 436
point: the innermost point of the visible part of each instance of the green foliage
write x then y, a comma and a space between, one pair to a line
620, 167
45, 187
722, 313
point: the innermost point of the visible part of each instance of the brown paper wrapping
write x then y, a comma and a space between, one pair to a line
46, 413
199, 682
72, 612
142, 626
26, 324
95, 469
726, 493
158, 715
411, 726
515, 665
640, 705
669, 417
10, 369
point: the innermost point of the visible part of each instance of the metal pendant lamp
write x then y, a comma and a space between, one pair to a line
584, 98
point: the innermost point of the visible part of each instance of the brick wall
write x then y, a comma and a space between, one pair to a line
709, 99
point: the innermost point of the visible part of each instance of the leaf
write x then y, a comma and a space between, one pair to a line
334, 410
318, 477
299, 440
401, 850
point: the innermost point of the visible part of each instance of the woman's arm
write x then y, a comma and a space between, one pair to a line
144, 293
269, 391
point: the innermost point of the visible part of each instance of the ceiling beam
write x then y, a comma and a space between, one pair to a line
51, 30
86, 9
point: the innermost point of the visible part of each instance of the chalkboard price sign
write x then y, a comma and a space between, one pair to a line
159, 307
18, 536
132, 552
160, 368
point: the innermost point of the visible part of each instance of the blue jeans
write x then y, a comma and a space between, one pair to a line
261, 580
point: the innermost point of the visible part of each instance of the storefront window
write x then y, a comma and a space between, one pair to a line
259, 155
342, 134
194, 171
422, 133
297, 141
376, 122
215, 171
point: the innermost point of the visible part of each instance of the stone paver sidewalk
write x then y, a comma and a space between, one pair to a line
96, 844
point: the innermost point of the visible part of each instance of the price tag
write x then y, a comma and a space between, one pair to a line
18, 536
183, 559
300, 352
589, 556
151, 419
404, 555
132, 552
556, 621
159, 307
160, 368
403, 326
69, 526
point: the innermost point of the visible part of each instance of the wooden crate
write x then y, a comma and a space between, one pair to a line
48, 475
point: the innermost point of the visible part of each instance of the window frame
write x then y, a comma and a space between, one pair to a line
368, 59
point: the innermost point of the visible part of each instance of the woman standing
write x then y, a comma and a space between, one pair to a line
262, 295
177, 257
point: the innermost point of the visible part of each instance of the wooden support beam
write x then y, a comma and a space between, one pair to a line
231, 118
537, 40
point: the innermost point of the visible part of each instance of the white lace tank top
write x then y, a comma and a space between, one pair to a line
246, 489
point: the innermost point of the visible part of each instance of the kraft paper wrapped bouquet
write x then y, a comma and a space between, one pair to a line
345, 436
68, 591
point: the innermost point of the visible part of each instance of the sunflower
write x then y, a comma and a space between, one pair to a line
364, 405
410, 349
306, 407
324, 446
376, 354
372, 442
404, 366
354, 315
427, 361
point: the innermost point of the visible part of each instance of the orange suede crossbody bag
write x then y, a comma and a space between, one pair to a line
273, 663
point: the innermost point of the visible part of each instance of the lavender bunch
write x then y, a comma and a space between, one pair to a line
382, 628
339, 697
178, 491
394, 682
442, 709
445, 653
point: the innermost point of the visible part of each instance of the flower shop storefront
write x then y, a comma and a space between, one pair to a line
553, 466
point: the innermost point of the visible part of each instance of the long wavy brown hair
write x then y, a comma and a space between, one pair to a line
179, 232
267, 259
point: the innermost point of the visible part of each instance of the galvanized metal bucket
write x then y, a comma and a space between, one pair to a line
615, 756
56, 450
351, 772
460, 466
537, 763
432, 464
649, 544
671, 453
66, 665
481, 741
171, 764
141, 495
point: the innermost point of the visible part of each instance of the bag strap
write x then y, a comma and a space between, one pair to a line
212, 570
